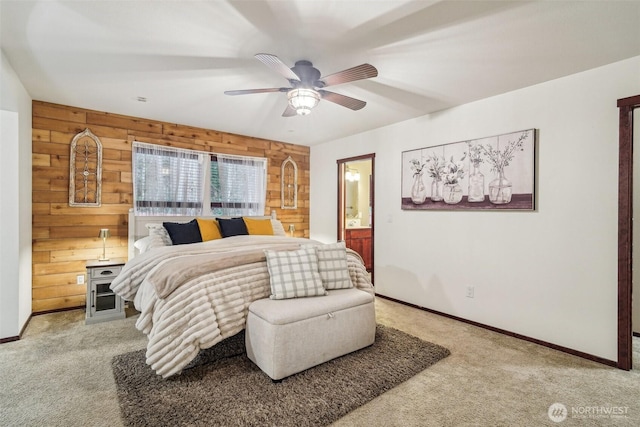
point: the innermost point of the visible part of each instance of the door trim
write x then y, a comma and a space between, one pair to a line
625, 229
341, 201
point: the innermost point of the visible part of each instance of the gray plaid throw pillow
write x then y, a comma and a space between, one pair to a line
332, 266
294, 274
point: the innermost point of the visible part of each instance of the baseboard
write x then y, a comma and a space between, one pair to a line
16, 338
24, 327
59, 310
636, 334
511, 334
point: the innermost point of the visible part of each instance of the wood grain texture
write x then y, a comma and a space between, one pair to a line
625, 230
64, 237
359, 239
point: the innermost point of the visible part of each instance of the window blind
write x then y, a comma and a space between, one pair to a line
238, 185
167, 180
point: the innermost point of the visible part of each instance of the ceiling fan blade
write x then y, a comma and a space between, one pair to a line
289, 111
364, 71
277, 65
249, 91
345, 101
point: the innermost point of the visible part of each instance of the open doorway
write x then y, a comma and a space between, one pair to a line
356, 206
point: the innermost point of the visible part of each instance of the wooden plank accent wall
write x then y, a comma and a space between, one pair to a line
65, 237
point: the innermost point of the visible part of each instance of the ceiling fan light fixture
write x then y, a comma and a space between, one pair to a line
303, 100
307, 85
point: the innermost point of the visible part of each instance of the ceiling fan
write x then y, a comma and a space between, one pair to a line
307, 86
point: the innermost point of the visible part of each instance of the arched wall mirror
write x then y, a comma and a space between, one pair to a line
356, 205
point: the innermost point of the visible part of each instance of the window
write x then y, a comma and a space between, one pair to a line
238, 185
173, 181
168, 181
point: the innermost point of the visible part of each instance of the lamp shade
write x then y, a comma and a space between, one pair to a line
303, 100
104, 233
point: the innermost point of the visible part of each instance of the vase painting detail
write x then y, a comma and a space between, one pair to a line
437, 188
436, 171
476, 178
500, 189
490, 173
454, 172
418, 189
452, 194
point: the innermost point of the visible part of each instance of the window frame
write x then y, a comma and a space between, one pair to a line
260, 162
204, 207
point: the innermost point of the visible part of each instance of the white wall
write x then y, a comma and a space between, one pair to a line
549, 274
15, 209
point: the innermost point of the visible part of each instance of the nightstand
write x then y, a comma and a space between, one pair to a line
102, 304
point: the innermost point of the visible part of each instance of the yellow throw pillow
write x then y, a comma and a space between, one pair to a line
209, 229
259, 226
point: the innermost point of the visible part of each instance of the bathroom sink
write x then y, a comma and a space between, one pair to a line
353, 223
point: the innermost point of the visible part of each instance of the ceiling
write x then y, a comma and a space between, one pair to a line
182, 55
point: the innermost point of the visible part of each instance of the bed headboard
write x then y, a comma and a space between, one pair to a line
138, 224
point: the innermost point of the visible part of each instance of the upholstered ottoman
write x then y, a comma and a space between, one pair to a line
284, 337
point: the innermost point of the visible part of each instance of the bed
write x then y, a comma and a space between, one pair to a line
192, 296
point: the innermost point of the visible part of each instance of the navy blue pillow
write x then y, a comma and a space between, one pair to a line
183, 233
232, 227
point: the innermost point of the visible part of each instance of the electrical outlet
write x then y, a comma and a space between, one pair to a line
470, 291
80, 279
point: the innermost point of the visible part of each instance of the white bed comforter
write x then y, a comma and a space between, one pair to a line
193, 296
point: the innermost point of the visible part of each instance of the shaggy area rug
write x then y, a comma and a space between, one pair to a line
222, 387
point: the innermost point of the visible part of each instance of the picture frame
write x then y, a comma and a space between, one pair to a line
490, 173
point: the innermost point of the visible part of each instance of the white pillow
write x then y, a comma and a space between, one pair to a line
294, 274
278, 229
332, 265
149, 242
160, 231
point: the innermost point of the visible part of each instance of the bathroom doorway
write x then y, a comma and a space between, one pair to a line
356, 206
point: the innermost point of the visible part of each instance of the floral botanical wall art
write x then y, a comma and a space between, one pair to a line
496, 172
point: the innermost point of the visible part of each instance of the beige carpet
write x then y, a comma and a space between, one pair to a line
59, 374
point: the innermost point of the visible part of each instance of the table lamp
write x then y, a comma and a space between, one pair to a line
104, 233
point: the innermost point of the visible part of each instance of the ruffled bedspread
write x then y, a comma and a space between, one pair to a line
193, 296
